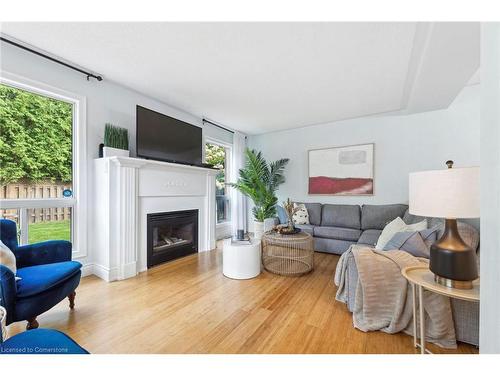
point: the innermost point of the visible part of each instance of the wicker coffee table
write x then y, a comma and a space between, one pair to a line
288, 255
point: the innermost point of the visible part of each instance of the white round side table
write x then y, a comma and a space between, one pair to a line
241, 261
421, 278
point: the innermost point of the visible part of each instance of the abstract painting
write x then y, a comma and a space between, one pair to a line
341, 170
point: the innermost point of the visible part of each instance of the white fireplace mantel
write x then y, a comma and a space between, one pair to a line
126, 190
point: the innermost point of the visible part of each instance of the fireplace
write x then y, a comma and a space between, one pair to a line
171, 235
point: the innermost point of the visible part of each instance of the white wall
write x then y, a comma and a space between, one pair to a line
106, 101
402, 144
489, 334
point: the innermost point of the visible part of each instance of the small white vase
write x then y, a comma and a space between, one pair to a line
258, 229
111, 151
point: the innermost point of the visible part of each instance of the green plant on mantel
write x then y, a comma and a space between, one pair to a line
115, 137
259, 181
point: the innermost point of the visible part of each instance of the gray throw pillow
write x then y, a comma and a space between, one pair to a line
430, 235
416, 243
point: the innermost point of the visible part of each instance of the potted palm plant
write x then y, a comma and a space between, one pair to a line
115, 141
259, 181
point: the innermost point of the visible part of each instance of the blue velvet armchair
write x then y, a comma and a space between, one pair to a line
47, 276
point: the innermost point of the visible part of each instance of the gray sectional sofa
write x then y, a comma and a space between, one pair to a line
335, 227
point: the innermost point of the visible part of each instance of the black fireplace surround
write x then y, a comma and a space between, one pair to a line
171, 235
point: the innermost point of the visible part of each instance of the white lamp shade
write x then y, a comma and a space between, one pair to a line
448, 193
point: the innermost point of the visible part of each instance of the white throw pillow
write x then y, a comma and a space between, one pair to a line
3, 319
7, 258
417, 227
300, 217
395, 226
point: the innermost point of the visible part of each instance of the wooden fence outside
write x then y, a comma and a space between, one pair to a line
30, 191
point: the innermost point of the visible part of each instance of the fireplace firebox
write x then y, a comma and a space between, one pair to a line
171, 235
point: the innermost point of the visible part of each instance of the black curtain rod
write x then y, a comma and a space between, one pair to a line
88, 74
223, 128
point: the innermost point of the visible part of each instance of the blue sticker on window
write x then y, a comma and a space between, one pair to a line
67, 193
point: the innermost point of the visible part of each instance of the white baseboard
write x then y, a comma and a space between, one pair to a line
109, 274
87, 269
129, 270
105, 273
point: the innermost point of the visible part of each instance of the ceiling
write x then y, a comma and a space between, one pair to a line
263, 77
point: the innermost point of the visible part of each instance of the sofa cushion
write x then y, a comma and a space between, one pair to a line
369, 237
341, 215
338, 233
314, 211
378, 216
38, 279
469, 234
412, 219
308, 228
332, 246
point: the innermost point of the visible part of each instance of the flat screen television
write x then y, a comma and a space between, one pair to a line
165, 138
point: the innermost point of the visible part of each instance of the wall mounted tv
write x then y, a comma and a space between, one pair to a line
165, 138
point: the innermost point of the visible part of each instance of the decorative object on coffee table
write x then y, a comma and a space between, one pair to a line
290, 210
285, 229
450, 194
421, 278
341, 170
239, 260
288, 255
115, 141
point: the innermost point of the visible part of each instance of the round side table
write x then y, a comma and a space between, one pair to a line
421, 278
288, 255
241, 261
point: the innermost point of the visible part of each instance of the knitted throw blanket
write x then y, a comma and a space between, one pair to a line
383, 296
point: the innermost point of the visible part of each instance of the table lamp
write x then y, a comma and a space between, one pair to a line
450, 194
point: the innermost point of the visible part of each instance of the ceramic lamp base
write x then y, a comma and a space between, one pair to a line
452, 261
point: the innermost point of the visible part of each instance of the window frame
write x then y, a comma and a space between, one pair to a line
227, 167
78, 202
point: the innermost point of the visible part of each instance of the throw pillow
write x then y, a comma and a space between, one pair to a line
7, 258
282, 215
395, 226
430, 235
301, 216
3, 319
415, 243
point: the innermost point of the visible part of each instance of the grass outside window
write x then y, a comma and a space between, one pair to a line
49, 230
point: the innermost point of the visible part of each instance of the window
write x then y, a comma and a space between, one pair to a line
39, 162
36, 160
218, 156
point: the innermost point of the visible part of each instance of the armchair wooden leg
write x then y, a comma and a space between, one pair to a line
32, 324
71, 298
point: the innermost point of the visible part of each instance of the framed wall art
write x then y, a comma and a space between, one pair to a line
344, 170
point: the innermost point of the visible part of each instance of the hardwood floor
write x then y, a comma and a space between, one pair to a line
188, 306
